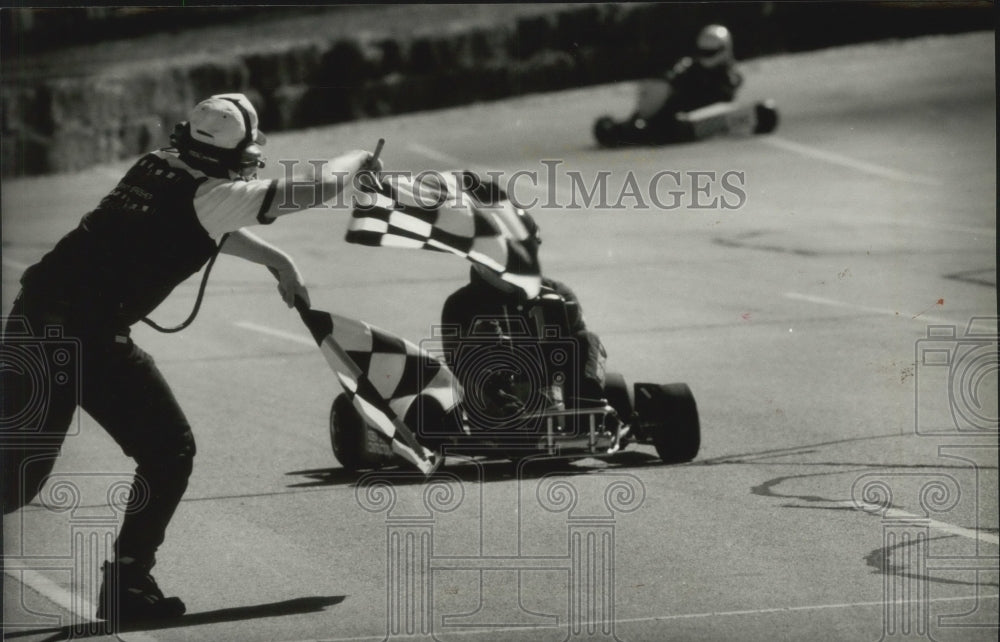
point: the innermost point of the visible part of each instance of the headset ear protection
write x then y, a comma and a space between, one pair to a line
245, 159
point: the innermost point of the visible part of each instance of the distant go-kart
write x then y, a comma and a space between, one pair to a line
665, 416
650, 123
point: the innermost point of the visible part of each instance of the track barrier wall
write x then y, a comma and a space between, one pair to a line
58, 124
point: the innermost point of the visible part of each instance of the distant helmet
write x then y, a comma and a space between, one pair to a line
222, 133
714, 46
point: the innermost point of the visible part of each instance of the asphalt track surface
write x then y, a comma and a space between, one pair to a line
799, 319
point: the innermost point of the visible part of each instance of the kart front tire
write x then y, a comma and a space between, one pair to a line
669, 414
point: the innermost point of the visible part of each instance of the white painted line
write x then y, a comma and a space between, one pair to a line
281, 334
52, 591
864, 308
895, 513
810, 607
683, 616
434, 154
65, 600
846, 161
989, 233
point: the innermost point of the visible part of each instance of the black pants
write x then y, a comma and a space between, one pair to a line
52, 364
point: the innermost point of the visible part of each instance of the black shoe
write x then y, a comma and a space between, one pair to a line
129, 594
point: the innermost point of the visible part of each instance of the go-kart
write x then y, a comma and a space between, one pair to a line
403, 403
530, 417
654, 123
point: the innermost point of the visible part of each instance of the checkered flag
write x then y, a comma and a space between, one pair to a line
383, 375
455, 212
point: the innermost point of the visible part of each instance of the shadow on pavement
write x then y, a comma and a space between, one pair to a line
535, 466
531, 467
274, 609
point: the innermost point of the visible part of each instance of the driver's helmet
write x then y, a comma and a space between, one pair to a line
530, 243
714, 47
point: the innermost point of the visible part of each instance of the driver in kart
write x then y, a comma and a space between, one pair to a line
489, 303
708, 77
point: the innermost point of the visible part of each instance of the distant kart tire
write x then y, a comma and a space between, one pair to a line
606, 132
355, 444
767, 117
669, 414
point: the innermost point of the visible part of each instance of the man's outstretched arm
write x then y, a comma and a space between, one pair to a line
331, 179
247, 246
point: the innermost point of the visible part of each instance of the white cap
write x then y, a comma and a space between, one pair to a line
221, 121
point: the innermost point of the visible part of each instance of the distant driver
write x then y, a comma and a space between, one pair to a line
708, 77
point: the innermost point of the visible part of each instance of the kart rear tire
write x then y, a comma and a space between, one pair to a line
355, 444
669, 414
